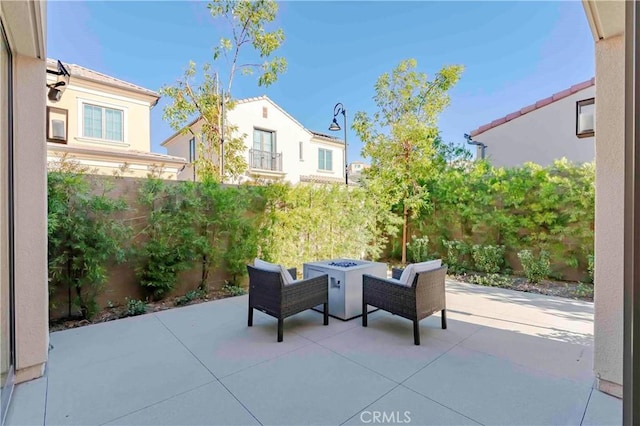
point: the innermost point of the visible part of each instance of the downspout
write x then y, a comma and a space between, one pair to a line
482, 146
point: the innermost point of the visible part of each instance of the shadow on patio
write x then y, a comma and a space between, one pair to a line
506, 358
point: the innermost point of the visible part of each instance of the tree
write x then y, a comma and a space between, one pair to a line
400, 136
221, 149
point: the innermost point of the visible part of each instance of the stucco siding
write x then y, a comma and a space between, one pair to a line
541, 136
609, 220
136, 115
31, 291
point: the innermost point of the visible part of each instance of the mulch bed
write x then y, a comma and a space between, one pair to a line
569, 290
117, 312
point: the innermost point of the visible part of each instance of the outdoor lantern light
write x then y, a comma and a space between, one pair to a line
57, 89
334, 127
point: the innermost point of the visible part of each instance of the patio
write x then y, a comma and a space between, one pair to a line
506, 358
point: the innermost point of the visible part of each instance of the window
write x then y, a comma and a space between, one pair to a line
324, 159
300, 152
102, 123
56, 125
192, 150
585, 118
264, 140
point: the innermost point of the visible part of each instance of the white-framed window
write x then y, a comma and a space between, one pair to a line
325, 159
192, 149
585, 118
102, 122
300, 151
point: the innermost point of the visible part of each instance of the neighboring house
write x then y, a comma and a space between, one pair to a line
104, 124
561, 125
278, 147
355, 170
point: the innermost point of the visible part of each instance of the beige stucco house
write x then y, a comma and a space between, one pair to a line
561, 125
104, 124
278, 147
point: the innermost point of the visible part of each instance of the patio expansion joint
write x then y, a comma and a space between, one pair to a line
157, 402
586, 406
215, 378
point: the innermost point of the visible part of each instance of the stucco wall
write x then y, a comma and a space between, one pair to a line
31, 293
609, 227
540, 136
137, 124
249, 115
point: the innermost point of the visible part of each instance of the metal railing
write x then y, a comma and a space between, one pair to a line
265, 160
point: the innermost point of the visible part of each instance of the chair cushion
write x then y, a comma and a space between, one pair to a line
409, 274
272, 267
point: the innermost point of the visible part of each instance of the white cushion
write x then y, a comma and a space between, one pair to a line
272, 267
266, 266
286, 276
409, 274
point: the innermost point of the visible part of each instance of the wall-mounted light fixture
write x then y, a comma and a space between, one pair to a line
482, 146
57, 89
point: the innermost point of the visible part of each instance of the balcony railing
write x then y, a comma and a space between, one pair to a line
265, 160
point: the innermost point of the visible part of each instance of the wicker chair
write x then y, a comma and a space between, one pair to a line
268, 294
425, 297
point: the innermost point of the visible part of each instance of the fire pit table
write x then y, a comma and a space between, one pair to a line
345, 283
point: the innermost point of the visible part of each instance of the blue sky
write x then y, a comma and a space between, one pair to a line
514, 53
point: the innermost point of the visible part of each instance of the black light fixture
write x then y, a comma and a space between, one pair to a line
334, 127
482, 146
57, 89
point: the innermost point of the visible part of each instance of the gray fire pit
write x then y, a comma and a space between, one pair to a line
345, 283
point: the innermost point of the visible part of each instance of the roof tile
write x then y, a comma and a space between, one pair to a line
539, 104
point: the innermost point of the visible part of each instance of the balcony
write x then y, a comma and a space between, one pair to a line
265, 160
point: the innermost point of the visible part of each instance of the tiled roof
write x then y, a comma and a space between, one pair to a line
541, 103
78, 71
326, 136
321, 179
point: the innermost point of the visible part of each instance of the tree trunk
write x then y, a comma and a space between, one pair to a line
405, 216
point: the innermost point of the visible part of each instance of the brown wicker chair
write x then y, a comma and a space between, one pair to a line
268, 294
425, 297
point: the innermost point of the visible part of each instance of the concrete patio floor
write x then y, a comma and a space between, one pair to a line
506, 358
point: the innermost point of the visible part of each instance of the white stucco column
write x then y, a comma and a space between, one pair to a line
609, 218
30, 175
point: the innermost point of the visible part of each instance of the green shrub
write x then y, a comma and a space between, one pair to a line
85, 236
457, 256
418, 249
536, 268
584, 290
234, 290
190, 297
491, 280
136, 307
591, 259
489, 259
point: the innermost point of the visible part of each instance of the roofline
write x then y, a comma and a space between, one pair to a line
537, 105
131, 88
240, 101
133, 155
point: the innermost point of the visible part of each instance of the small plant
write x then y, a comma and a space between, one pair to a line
234, 290
457, 256
136, 307
535, 268
491, 280
489, 259
418, 249
190, 297
584, 290
591, 259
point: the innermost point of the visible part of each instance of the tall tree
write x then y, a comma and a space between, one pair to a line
248, 49
399, 137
